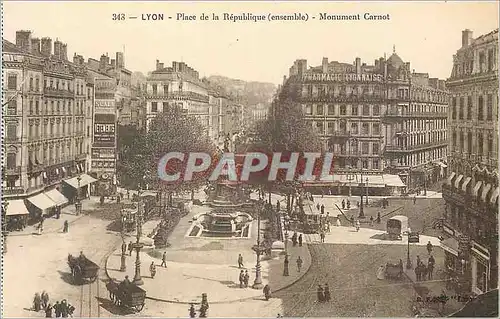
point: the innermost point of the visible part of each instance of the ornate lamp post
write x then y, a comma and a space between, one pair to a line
257, 284
123, 266
4, 226
366, 191
138, 245
78, 197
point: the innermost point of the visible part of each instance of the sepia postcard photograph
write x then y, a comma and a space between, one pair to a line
265, 159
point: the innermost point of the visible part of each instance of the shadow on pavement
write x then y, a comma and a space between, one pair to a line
67, 278
384, 237
112, 308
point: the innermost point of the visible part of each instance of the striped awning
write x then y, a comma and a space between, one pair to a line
450, 245
16, 207
475, 191
42, 201
448, 180
486, 189
466, 182
84, 181
57, 197
494, 196
458, 180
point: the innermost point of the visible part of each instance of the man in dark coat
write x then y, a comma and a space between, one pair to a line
57, 309
300, 240
48, 311
343, 204
246, 278
278, 205
240, 261
320, 293
130, 248
429, 247
164, 259
285, 266
294, 239
327, 292
322, 209
241, 278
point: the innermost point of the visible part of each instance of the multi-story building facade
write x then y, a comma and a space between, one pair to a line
181, 86
346, 104
112, 99
44, 101
471, 190
415, 138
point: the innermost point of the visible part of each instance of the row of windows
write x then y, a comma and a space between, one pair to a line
428, 96
50, 107
48, 83
485, 64
333, 109
47, 155
373, 164
353, 149
342, 126
422, 157
423, 138
467, 113
424, 125
480, 145
51, 130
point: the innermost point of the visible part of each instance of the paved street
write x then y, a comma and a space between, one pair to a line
35, 263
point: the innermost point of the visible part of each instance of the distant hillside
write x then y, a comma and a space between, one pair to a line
252, 92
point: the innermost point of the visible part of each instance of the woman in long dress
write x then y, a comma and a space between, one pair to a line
381, 273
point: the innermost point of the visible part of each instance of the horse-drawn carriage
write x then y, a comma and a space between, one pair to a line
82, 268
126, 295
394, 271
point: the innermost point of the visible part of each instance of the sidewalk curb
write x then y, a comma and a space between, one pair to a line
217, 302
49, 231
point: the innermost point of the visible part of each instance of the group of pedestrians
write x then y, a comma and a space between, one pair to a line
296, 239
61, 309
244, 278
422, 271
152, 267
323, 293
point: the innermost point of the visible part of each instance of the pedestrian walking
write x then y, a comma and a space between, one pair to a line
418, 260
164, 260
267, 292
348, 204
128, 194
285, 266
37, 302
322, 208
352, 220
45, 299
294, 239
152, 269
358, 225
321, 294
65, 226
130, 248
326, 292
57, 309
246, 278
240, 261
414, 199
48, 311
322, 235
300, 240
343, 204
378, 218
371, 221
299, 264
242, 278
278, 205
192, 311
430, 270
429, 247
418, 272
124, 248
318, 206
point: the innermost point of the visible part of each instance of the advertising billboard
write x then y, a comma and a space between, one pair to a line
104, 130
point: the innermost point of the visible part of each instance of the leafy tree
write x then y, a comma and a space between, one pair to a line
286, 131
171, 131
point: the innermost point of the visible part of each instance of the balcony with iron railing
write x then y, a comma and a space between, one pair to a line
48, 91
179, 96
12, 170
361, 98
402, 115
412, 148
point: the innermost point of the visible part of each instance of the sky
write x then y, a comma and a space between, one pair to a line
426, 34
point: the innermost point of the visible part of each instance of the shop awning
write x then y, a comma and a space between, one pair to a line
475, 191
443, 165
393, 180
147, 193
458, 180
486, 189
450, 245
16, 207
466, 182
448, 180
85, 180
494, 196
42, 201
57, 197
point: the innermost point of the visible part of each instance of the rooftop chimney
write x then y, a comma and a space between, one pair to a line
64, 52
23, 40
46, 46
466, 37
57, 48
358, 65
324, 65
35, 45
175, 66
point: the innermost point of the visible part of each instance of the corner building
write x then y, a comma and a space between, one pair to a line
347, 105
44, 103
471, 190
